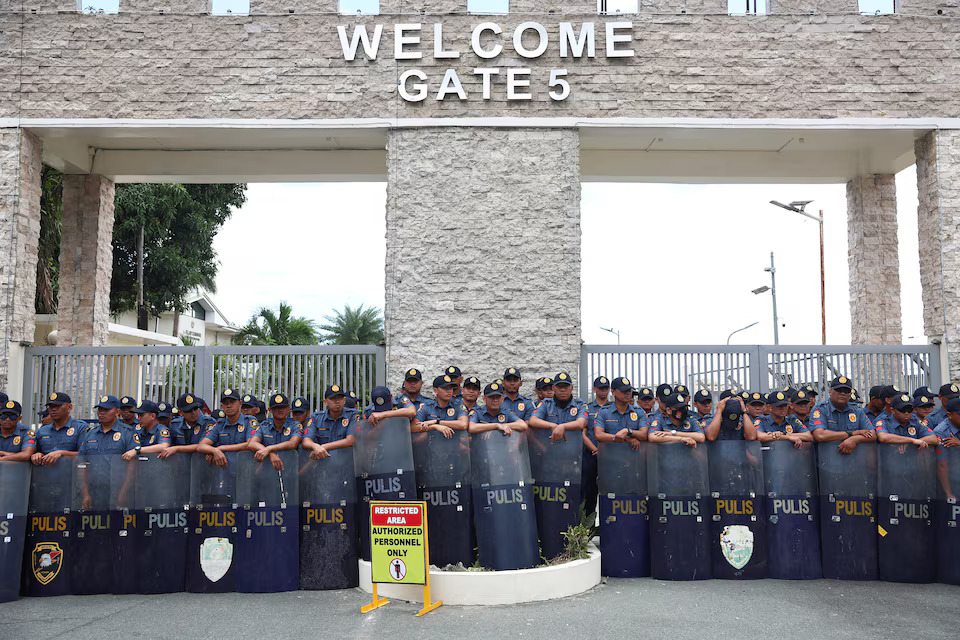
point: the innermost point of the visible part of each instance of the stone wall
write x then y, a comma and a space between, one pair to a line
874, 261
498, 283
181, 66
20, 168
938, 218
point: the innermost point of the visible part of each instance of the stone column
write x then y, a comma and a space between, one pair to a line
20, 153
873, 260
86, 261
483, 251
938, 221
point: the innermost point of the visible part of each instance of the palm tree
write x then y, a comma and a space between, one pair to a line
267, 328
354, 326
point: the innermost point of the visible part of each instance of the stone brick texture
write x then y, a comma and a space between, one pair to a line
873, 259
483, 252
938, 221
20, 154
183, 66
86, 261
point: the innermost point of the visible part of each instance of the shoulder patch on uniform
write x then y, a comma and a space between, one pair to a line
654, 423
878, 423
816, 413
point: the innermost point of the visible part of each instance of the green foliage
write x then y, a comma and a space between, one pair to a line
48, 254
187, 341
354, 326
578, 539
179, 222
267, 328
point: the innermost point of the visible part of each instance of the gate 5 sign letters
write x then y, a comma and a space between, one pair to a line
398, 542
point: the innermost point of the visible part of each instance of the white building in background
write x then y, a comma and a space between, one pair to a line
203, 323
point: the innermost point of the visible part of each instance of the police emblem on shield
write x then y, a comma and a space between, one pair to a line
216, 555
47, 559
736, 543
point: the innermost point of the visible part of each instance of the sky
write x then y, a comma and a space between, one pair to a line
683, 258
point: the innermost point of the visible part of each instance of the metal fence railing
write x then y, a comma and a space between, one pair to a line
163, 373
761, 368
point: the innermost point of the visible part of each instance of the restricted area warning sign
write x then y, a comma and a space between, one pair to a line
398, 542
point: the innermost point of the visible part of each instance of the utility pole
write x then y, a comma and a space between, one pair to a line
773, 291
141, 311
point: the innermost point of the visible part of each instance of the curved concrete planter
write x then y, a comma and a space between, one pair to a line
497, 587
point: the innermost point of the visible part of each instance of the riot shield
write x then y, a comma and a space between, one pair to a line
848, 507
443, 482
906, 486
162, 504
49, 549
948, 515
793, 524
677, 480
503, 501
328, 522
98, 525
14, 491
211, 542
383, 463
624, 523
738, 533
555, 465
268, 551
124, 521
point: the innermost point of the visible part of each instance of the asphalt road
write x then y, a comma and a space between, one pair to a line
640, 608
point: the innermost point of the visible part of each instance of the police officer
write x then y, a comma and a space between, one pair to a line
800, 408
675, 424
922, 407
351, 400
412, 385
457, 377
703, 407
126, 405
731, 421
109, 437
61, 437
620, 421
149, 435
165, 413
492, 416
544, 389
947, 393
333, 427
189, 427
780, 424
300, 412
561, 413
811, 392
383, 406
44, 415
684, 392
601, 397
512, 400
588, 464
230, 433
835, 420
249, 406
755, 406
663, 390
875, 404
471, 393
278, 433
646, 400
903, 427
17, 441
948, 434
442, 414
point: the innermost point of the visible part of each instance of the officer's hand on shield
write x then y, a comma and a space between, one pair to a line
847, 446
128, 455
921, 444
219, 458
166, 453
507, 431
37, 458
446, 431
869, 434
621, 436
690, 442
51, 458
86, 500
276, 462
558, 433
374, 419
950, 442
796, 440
261, 454
634, 444
319, 453
776, 434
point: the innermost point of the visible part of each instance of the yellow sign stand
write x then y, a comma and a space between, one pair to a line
399, 550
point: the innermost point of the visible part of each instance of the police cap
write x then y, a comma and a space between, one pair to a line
249, 401
380, 398
730, 418
703, 396
950, 390
413, 374
756, 398
10, 409
188, 402
777, 399
511, 372
876, 392
352, 400
645, 393
493, 389
472, 382
544, 383
922, 391
800, 397
953, 405
674, 401
127, 402
230, 394
147, 406
902, 402
452, 371
682, 390
443, 381
620, 384
279, 400
663, 390
57, 398
335, 390
107, 402
601, 382
923, 401
840, 383
299, 405
726, 393
562, 378
164, 410
889, 391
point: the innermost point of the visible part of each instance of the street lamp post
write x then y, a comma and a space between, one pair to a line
773, 289
616, 333
732, 333
799, 206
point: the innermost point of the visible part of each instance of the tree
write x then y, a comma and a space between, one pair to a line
48, 250
179, 223
267, 328
354, 326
